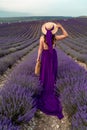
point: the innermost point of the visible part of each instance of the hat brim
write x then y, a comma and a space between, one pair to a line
53, 31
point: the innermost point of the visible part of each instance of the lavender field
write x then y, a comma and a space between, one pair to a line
18, 95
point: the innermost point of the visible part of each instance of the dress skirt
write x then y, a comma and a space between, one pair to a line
48, 101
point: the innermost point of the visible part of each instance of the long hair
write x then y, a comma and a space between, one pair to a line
53, 39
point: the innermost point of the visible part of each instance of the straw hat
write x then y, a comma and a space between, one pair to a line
49, 25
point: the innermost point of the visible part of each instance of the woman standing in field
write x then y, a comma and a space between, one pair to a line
48, 102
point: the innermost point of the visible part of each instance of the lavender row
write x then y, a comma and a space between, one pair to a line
7, 61
68, 50
78, 28
72, 83
78, 55
6, 49
68, 82
17, 32
11, 50
76, 44
18, 97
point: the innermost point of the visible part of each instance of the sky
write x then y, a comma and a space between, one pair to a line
13, 8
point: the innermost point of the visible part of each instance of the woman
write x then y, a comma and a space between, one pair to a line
48, 101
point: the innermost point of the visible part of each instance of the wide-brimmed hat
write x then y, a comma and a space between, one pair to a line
49, 25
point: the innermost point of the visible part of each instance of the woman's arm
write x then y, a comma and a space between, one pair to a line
64, 35
40, 48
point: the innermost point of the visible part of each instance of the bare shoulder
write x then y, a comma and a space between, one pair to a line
42, 38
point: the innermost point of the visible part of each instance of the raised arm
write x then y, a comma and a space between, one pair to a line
40, 48
64, 35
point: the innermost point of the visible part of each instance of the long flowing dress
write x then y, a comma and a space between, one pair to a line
48, 102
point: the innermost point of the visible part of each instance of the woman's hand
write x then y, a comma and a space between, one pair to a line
64, 35
38, 59
58, 25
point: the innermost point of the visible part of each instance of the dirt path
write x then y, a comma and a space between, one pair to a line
42, 121
80, 63
3, 78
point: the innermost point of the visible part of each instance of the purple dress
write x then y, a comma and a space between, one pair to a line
48, 102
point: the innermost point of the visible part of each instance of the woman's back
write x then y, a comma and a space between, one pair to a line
45, 46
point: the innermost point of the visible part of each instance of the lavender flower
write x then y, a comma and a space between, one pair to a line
16, 104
